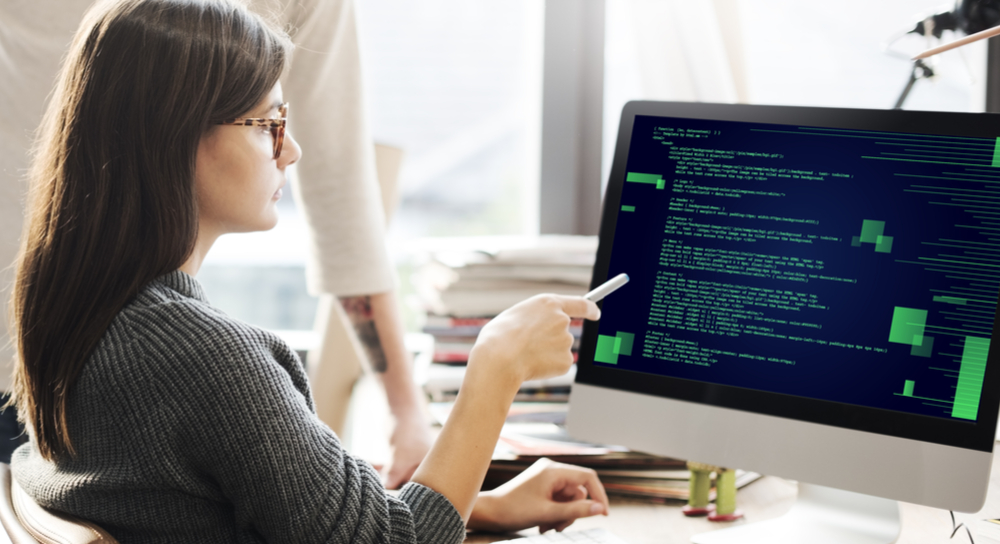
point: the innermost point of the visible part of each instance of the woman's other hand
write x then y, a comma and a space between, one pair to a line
549, 495
531, 340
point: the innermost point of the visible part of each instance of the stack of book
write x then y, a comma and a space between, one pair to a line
483, 276
628, 474
536, 430
623, 472
465, 282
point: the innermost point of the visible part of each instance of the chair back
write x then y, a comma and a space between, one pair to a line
33, 524
14, 532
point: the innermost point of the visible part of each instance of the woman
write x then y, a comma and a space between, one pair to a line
158, 417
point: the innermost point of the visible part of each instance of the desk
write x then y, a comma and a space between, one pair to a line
769, 497
640, 522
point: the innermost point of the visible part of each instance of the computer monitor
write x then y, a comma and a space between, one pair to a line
812, 296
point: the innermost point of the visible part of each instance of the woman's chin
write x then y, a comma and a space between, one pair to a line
273, 222
267, 222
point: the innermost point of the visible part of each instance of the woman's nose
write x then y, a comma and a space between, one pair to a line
290, 151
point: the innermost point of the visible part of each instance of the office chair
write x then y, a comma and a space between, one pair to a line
25, 522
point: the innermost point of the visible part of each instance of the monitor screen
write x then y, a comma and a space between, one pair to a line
840, 269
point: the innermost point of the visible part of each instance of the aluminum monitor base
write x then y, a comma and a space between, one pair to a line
821, 515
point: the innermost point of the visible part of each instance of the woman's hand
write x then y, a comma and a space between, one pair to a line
531, 340
549, 495
528, 341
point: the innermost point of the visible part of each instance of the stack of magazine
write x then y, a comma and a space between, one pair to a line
536, 430
465, 282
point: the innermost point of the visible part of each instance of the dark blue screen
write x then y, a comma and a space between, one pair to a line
852, 266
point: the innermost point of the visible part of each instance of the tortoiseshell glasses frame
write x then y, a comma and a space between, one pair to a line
277, 126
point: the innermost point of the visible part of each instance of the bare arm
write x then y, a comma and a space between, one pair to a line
530, 340
379, 327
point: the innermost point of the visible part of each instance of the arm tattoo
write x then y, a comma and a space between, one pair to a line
359, 310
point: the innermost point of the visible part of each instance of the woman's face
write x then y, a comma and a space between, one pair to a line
237, 179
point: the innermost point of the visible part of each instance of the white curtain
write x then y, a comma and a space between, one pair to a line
685, 50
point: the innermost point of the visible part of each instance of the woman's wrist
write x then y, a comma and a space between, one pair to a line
483, 517
495, 366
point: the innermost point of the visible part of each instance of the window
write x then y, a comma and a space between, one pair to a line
457, 86
830, 54
783, 52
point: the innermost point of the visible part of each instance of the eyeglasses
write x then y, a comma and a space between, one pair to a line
277, 126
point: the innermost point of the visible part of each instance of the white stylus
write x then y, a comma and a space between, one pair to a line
607, 288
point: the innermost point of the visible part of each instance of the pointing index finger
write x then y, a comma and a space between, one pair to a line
579, 307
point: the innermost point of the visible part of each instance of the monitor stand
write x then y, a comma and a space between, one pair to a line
820, 515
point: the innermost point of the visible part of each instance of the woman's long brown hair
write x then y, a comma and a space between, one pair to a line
112, 202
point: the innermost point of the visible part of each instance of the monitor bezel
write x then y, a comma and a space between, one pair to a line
978, 435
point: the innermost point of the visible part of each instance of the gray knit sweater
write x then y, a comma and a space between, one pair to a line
193, 427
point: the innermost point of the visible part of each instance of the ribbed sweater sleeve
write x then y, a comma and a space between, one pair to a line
254, 432
195, 426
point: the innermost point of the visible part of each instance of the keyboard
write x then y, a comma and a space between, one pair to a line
590, 536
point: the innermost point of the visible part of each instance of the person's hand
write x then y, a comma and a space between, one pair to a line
531, 340
410, 441
549, 495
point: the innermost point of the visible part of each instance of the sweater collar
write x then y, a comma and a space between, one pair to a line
184, 284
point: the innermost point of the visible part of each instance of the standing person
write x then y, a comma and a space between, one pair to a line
338, 189
157, 416
339, 195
